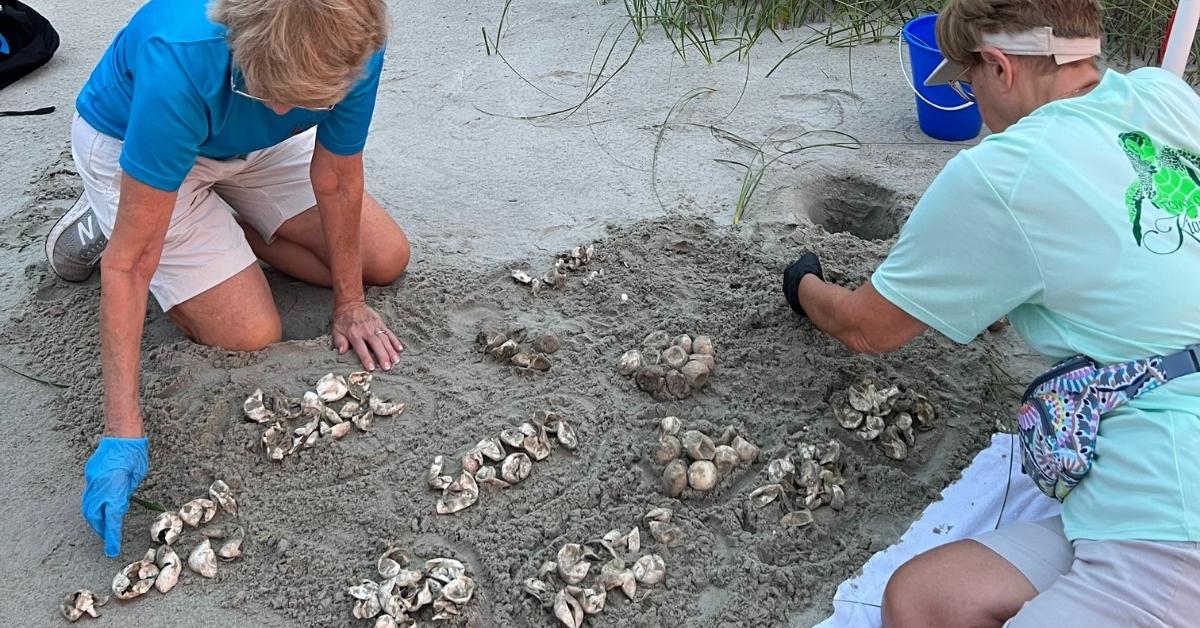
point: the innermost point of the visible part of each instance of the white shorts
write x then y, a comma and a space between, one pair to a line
205, 244
1100, 584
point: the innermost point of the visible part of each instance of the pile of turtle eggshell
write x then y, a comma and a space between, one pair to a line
613, 555
512, 454
442, 585
681, 365
886, 415
812, 480
510, 347
695, 460
564, 264
161, 567
318, 418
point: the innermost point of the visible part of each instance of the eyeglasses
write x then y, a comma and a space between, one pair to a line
233, 86
960, 86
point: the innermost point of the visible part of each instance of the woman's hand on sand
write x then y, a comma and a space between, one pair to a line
358, 327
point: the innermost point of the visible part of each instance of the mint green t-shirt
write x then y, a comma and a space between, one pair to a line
1081, 223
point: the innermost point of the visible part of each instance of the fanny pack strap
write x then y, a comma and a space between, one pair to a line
1185, 362
1115, 385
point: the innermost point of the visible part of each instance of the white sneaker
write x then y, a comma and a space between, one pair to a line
75, 244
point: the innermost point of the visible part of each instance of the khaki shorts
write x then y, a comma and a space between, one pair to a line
205, 244
1100, 584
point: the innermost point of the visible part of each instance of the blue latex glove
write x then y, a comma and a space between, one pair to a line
111, 476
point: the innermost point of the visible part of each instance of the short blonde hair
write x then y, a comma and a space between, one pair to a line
962, 23
306, 53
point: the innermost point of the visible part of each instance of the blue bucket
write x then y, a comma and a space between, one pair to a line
941, 112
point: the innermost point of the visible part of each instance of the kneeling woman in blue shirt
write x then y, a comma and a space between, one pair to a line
209, 137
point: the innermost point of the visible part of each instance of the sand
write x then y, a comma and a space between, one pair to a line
481, 194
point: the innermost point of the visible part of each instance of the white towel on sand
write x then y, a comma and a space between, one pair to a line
969, 506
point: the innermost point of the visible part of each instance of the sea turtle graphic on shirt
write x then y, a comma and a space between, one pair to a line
1168, 178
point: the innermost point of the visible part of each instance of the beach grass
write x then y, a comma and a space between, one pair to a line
713, 30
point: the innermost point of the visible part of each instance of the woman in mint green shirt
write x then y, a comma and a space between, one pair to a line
1079, 219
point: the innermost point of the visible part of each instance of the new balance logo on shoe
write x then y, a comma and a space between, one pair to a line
87, 228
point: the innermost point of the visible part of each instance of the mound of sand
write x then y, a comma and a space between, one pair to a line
322, 516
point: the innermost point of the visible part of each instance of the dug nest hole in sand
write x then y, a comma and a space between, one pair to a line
855, 205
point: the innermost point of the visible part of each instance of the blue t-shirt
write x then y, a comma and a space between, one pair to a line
1082, 223
163, 87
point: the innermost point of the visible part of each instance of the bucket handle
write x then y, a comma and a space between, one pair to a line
909, 81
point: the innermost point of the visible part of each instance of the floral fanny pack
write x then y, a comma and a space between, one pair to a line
1061, 411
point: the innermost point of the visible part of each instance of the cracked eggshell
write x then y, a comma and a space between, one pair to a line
80, 603
747, 451
892, 443
665, 533
223, 496
169, 568
764, 495
662, 515
798, 519
358, 384
871, 428
505, 351
444, 570
780, 469
904, 424
698, 445
535, 442
197, 511
331, 388
255, 410
566, 436
572, 566
515, 468
136, 578
379, 407
391, 562
232, 547
837, 499
650, 569
459, 495
491, 448
567, 609
459, 590
166, 528
590, 600
203, 560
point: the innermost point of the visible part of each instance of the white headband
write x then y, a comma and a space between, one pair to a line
1039, 42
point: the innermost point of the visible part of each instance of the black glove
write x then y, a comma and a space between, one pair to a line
808, 264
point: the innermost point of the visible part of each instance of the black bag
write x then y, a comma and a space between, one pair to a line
27, 42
